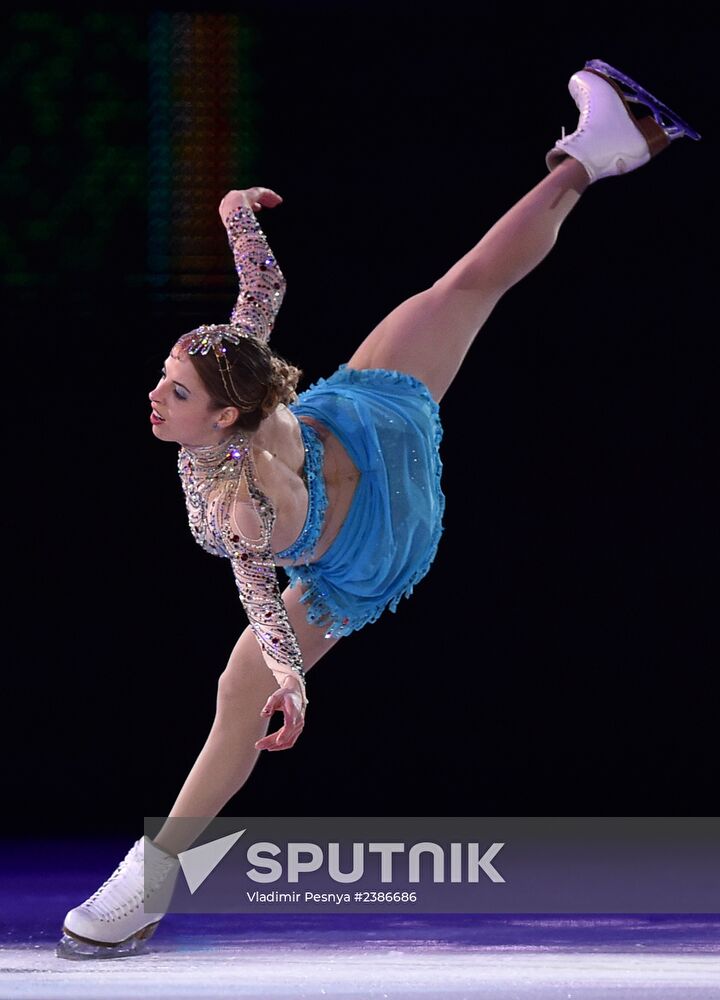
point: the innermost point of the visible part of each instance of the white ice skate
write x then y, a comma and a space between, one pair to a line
120, 917
610, 138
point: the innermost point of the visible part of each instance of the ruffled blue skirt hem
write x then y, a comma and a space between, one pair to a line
390, 425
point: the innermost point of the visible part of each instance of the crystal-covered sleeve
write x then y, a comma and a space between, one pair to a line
256, 578
262, 283
257, 584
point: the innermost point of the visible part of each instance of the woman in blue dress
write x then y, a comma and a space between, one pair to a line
340, 485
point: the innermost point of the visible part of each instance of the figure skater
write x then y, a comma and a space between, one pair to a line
339, 485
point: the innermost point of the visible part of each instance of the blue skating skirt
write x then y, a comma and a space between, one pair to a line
390, 426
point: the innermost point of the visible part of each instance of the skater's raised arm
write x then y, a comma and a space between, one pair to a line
262, 283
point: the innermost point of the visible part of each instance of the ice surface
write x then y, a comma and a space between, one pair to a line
327, 956
212, 965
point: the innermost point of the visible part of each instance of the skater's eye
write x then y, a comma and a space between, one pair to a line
178, 387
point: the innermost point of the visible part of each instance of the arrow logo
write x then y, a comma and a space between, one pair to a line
198, 862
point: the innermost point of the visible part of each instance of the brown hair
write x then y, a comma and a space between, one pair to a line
259, 376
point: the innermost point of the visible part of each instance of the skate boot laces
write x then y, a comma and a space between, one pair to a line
121, 893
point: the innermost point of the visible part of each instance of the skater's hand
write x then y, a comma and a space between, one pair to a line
254, 198
288, 699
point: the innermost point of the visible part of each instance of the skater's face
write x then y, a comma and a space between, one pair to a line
184, 404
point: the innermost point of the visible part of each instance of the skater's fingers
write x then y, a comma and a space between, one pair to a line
280, 702
265, 197
264, 194
254, 198
274, 741
289, 703
266, 742
284, 738
285, 744
270, 706
280, 740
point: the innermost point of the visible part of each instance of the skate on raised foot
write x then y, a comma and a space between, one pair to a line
610, 138
123, 914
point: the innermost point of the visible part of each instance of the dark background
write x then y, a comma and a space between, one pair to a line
560, 657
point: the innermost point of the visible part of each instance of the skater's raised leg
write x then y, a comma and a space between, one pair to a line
430, 333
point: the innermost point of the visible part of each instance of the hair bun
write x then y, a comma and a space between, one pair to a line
281, 386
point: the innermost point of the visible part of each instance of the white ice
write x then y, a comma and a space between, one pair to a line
225, 967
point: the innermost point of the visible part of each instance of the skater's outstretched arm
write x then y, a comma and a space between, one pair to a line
257, 583
235, 520
262, 283
244, 521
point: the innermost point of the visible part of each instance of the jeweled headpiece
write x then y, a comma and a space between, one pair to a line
210, 337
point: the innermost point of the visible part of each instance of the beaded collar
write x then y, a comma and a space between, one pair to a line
217, 461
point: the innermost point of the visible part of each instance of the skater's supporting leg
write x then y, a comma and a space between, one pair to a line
430, 333
229, 755
110, 923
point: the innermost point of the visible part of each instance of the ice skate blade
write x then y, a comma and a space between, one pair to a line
79, 949
669, 121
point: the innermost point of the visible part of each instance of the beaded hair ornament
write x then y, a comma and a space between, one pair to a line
207, 337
